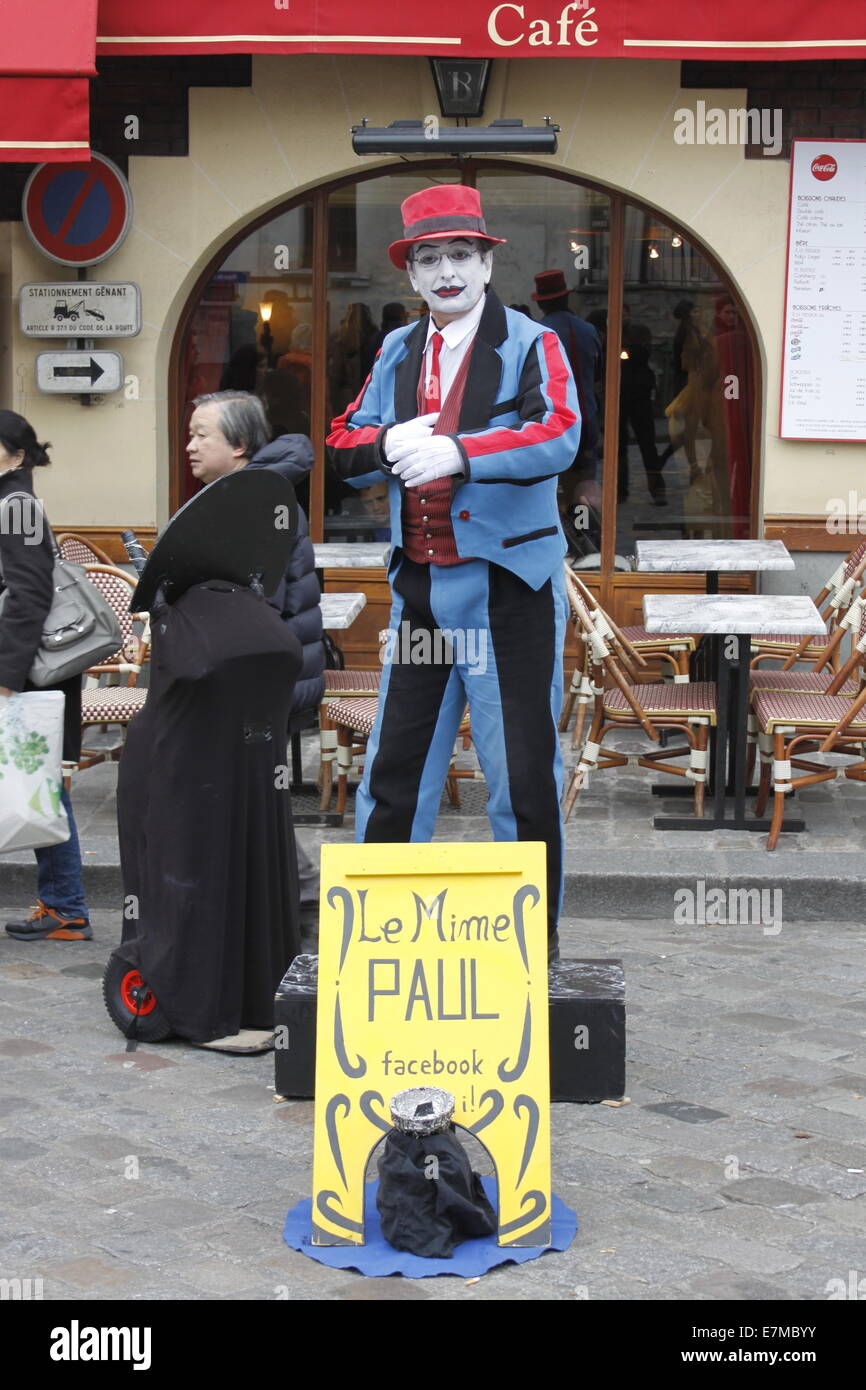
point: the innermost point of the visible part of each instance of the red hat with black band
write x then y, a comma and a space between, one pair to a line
445, 210
549, 284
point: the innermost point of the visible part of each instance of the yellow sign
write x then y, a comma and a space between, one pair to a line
433, 972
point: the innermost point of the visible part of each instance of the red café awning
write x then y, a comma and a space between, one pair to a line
47, 47
709, 29
46, 58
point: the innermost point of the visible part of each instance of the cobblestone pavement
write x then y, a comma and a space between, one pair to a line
737, 1170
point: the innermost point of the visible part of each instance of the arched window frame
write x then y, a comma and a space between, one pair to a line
319, 197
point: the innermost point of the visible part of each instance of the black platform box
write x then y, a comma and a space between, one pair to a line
587, 1030
295, 1029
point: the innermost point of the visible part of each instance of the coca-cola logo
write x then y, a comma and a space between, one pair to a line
824, 167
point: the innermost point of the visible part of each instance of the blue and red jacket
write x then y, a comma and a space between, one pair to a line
519, 427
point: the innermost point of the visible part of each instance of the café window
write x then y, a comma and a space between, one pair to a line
686, 396
296, 308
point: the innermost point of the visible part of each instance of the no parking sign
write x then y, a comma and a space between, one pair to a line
77, 213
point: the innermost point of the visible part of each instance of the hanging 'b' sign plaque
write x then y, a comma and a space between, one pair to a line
433, 972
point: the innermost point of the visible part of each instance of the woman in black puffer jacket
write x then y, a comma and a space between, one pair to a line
297, 597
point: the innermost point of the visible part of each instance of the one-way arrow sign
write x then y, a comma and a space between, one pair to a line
94, 372
77, 372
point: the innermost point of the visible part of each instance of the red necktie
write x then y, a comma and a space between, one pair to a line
433, 395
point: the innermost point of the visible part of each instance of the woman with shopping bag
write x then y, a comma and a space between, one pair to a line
27, 565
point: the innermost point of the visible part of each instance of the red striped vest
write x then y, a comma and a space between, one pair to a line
428, 536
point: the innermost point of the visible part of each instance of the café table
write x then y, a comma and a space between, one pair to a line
731, 620
711, 558
339, 611
363, 555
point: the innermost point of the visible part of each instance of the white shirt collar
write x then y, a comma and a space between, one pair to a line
453, 333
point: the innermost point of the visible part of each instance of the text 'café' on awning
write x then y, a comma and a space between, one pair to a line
691, 174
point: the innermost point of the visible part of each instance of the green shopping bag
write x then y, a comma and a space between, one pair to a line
31, 747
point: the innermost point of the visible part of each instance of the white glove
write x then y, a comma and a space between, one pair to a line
419, 428
420, 461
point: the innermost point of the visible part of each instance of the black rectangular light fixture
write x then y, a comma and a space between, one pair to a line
430, 137
461, 84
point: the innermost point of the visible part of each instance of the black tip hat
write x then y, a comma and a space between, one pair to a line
237, 528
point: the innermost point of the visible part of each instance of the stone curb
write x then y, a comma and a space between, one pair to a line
603, 888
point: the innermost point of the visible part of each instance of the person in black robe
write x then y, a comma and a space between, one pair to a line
204, 811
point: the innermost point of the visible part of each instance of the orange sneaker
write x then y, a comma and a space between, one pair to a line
44, 924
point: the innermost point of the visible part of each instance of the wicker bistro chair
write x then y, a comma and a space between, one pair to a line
633, 645
353, 720
803, 722
822, 710
848, 621
79, 551
341, 684
840, 590
629, 655
582, 691
675, 648
687, 708
816, 681
116, 703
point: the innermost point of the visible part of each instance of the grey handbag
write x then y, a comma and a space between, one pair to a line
80, 627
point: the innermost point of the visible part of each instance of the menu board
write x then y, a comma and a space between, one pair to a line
824, 351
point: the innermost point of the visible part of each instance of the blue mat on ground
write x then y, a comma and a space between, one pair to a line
378, 1258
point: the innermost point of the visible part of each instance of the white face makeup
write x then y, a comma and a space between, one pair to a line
450, 289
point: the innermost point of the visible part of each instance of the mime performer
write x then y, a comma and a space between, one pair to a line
470, 413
